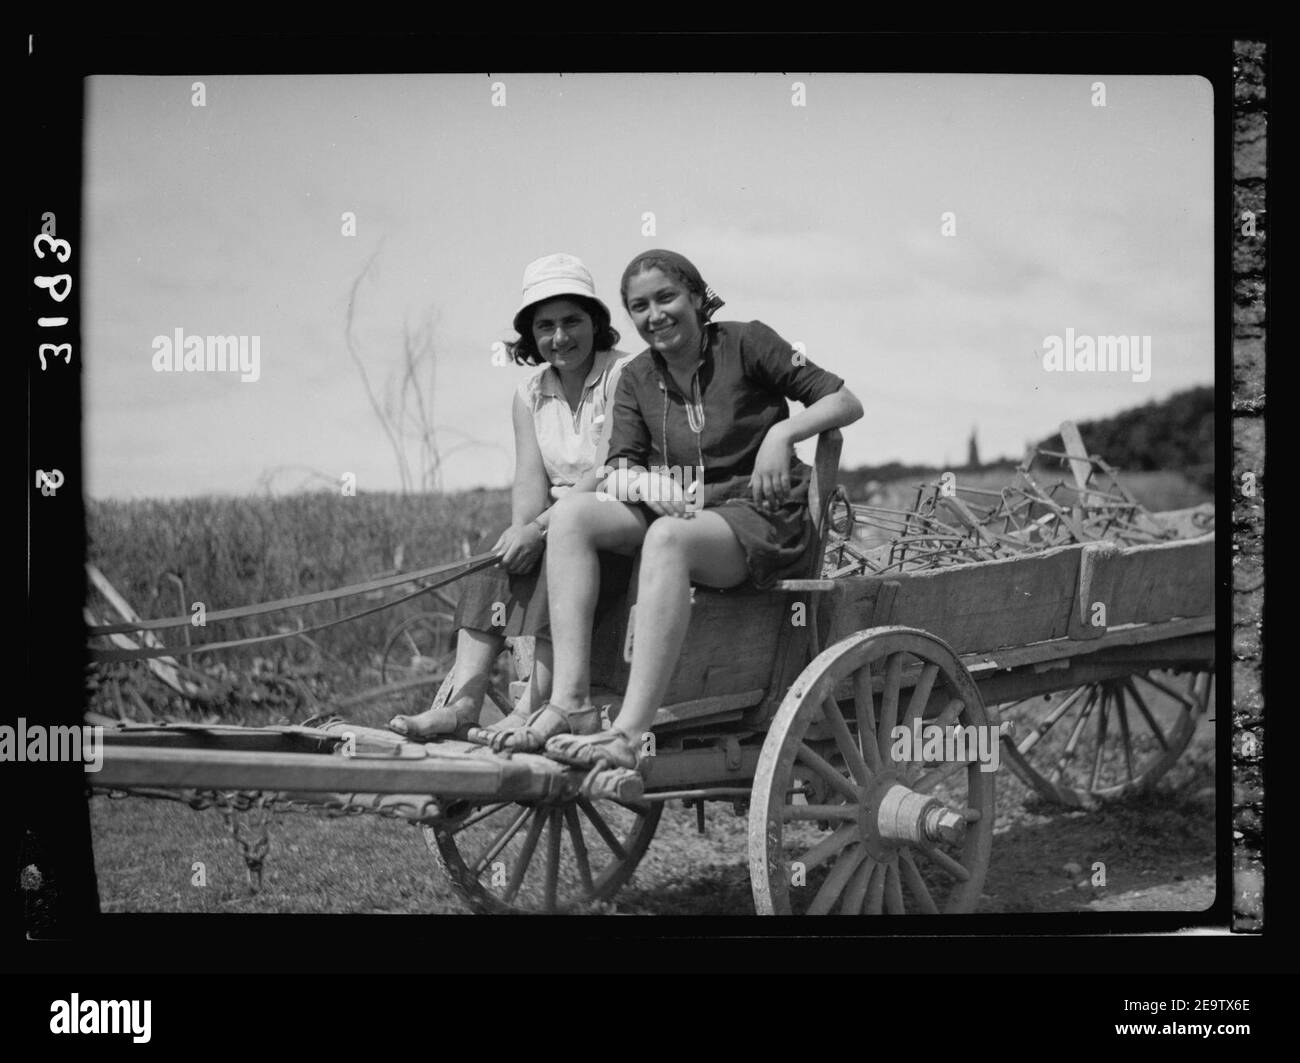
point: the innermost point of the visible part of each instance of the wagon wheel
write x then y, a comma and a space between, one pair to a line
1106, 740
876, 834
508, 858
421, 645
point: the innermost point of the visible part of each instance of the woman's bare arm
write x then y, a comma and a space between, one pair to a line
531, 493
770, 482
835, 410
522, 543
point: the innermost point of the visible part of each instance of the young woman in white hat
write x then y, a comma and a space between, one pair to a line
562, 420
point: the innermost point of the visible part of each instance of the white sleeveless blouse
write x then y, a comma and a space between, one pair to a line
573, 443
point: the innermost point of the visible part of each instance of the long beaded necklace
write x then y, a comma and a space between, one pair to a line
694, 412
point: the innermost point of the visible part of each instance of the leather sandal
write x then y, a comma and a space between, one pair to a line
605, 749
623, 785
482, 736
546, 723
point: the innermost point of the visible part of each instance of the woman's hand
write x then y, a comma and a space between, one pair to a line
664, 495
521, 546
658, 491
770, 481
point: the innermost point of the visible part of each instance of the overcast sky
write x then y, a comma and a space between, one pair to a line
824, 221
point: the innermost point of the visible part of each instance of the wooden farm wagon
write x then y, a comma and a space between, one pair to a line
1094, 659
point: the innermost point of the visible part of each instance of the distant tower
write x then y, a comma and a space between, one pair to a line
972, 451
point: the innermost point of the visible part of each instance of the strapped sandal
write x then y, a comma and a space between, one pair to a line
483, 736
606, 749
534, 734
623, 785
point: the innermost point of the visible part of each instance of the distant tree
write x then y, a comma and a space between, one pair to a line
384, 412
1177, 434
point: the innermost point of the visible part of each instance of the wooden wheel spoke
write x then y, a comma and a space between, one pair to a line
874, 902
857, 891
951, 712
920, 694
525, 858
889, 700
602, 828
553, 838
864, 707
478, 817
1038, 732
894, 891
836, 881
945, 862
937, 775
579, 849
838, 813
826, 770
500, 841
1102, 716
1123, 728
1007, 706
828, 847
1132, 692
1173, 692
844, 741
1067, 754
915, 883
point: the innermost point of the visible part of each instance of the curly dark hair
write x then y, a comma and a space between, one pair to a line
605, 336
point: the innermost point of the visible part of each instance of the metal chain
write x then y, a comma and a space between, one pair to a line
232, 805
334, 806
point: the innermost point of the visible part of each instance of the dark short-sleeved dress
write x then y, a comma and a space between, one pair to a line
740, 390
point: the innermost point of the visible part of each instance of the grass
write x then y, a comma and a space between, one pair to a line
229, 552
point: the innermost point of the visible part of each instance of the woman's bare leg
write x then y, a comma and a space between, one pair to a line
539, 683
676, 552
581, 526
537, 691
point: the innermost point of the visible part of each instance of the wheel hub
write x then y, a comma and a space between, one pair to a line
892, 816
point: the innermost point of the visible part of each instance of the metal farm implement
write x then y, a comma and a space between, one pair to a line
1068, 620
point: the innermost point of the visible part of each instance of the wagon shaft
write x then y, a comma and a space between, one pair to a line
266, 759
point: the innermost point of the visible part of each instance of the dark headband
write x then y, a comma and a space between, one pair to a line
683, 268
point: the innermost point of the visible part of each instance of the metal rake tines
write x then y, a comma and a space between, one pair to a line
951, 523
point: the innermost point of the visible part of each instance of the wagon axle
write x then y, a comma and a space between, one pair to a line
893, 814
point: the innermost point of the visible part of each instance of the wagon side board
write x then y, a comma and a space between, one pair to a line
731, 648
1014, 602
